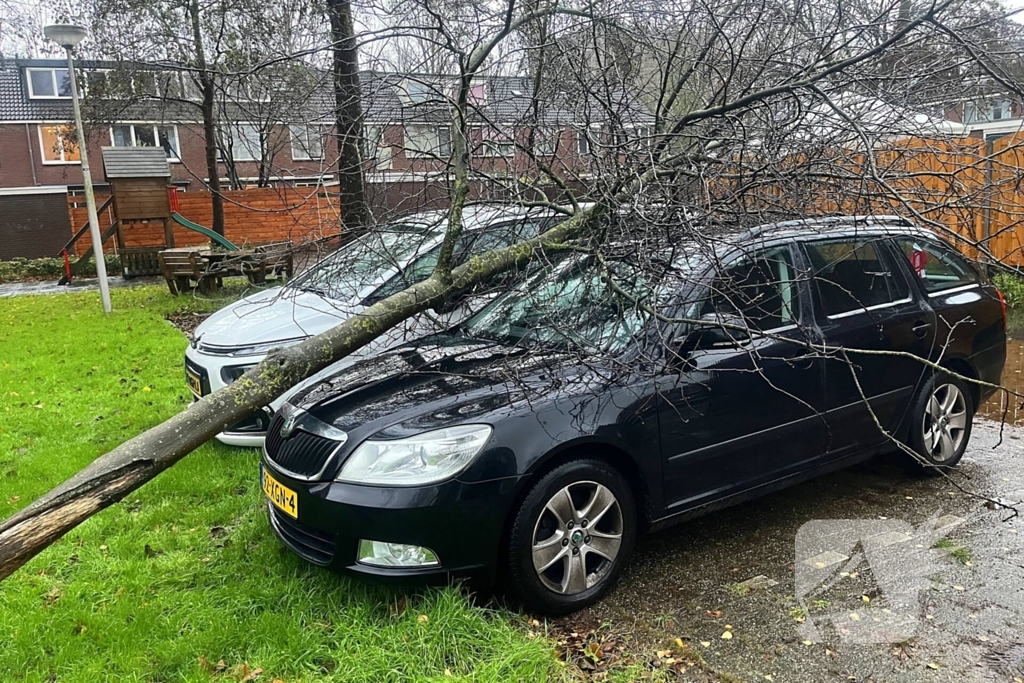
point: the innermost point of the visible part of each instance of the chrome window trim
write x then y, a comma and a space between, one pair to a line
953, 290
866, 309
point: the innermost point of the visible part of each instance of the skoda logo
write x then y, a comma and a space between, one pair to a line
577, 537
289, 425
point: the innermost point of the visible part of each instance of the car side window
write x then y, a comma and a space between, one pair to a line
468, 244
761, 289
853, 274
938, 266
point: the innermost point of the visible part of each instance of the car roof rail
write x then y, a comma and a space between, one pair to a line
828, 221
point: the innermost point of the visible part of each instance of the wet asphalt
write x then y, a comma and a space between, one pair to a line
960, 605
874, 573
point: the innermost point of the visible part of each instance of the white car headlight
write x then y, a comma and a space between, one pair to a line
422, 459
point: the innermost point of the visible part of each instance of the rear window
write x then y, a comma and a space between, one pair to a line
853, 274
939, 267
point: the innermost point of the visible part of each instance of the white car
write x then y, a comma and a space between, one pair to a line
360, 273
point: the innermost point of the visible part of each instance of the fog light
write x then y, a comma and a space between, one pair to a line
395, 555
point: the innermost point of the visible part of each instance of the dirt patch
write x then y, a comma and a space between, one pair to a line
186, 322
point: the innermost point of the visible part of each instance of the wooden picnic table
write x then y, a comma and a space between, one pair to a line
208, 267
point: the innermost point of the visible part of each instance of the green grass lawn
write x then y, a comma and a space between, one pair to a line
186, 572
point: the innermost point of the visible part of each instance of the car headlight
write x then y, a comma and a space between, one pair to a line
230, 373
422, 459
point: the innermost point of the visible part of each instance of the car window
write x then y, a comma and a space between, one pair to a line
938, 266
853, 274
468, 244
568, 304
761, 289
345, 272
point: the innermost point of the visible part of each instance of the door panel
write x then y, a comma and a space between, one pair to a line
864, 302
748, 413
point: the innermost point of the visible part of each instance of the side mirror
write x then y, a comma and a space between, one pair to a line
718, 330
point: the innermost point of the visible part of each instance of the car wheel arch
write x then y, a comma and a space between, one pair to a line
962, 366
614, 455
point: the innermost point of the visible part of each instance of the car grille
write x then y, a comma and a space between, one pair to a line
302, 454
308, 543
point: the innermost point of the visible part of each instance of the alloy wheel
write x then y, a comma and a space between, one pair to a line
945, 422
577, 537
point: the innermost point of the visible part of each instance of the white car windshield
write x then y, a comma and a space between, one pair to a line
344, 274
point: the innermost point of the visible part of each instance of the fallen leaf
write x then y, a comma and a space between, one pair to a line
705, 643
448, 672
728, 627
933, 665
713, 613
679, 643
959, 588
808, 642
727, 635
423, 618
865, 598
855, 617
663, 653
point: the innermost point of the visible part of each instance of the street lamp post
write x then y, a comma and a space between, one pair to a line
68, 36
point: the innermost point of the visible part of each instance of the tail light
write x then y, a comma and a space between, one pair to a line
1002, 302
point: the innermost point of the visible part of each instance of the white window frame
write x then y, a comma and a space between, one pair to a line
42, 146
53, 80
375, 149
244, 148
175, 159
583, 140
428, 92
436, 152
489, 149
299, 151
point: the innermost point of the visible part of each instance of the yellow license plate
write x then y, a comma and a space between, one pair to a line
194, 383
280, 495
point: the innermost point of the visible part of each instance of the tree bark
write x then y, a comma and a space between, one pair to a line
348, 116
112, 476
208, 87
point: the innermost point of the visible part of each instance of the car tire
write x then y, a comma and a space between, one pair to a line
559, 559
941, 421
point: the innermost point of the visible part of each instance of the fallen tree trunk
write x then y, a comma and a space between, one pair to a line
112, 476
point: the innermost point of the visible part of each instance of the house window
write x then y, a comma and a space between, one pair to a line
417, 92
583, 142
496, 142
423, 141
477, 94
546, 141
59, 144
244, 142
48, 83
375, 148
307, 143
147, 135
985, 111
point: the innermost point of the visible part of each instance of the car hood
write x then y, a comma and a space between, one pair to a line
442, 380
276, 314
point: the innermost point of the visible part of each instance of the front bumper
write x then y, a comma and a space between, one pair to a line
250, 432
461, 523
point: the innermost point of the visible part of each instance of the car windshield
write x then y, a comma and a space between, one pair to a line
343, 274
566, 305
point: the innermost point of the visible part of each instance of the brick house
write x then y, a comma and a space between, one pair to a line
274, 134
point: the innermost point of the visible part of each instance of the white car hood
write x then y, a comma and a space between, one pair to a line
272, 315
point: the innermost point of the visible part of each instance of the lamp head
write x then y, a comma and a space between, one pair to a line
65, 35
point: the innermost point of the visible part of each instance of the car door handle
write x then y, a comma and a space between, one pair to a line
921, 328
803, 360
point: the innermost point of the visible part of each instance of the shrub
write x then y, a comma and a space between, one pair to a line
1012, 287
46, 268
